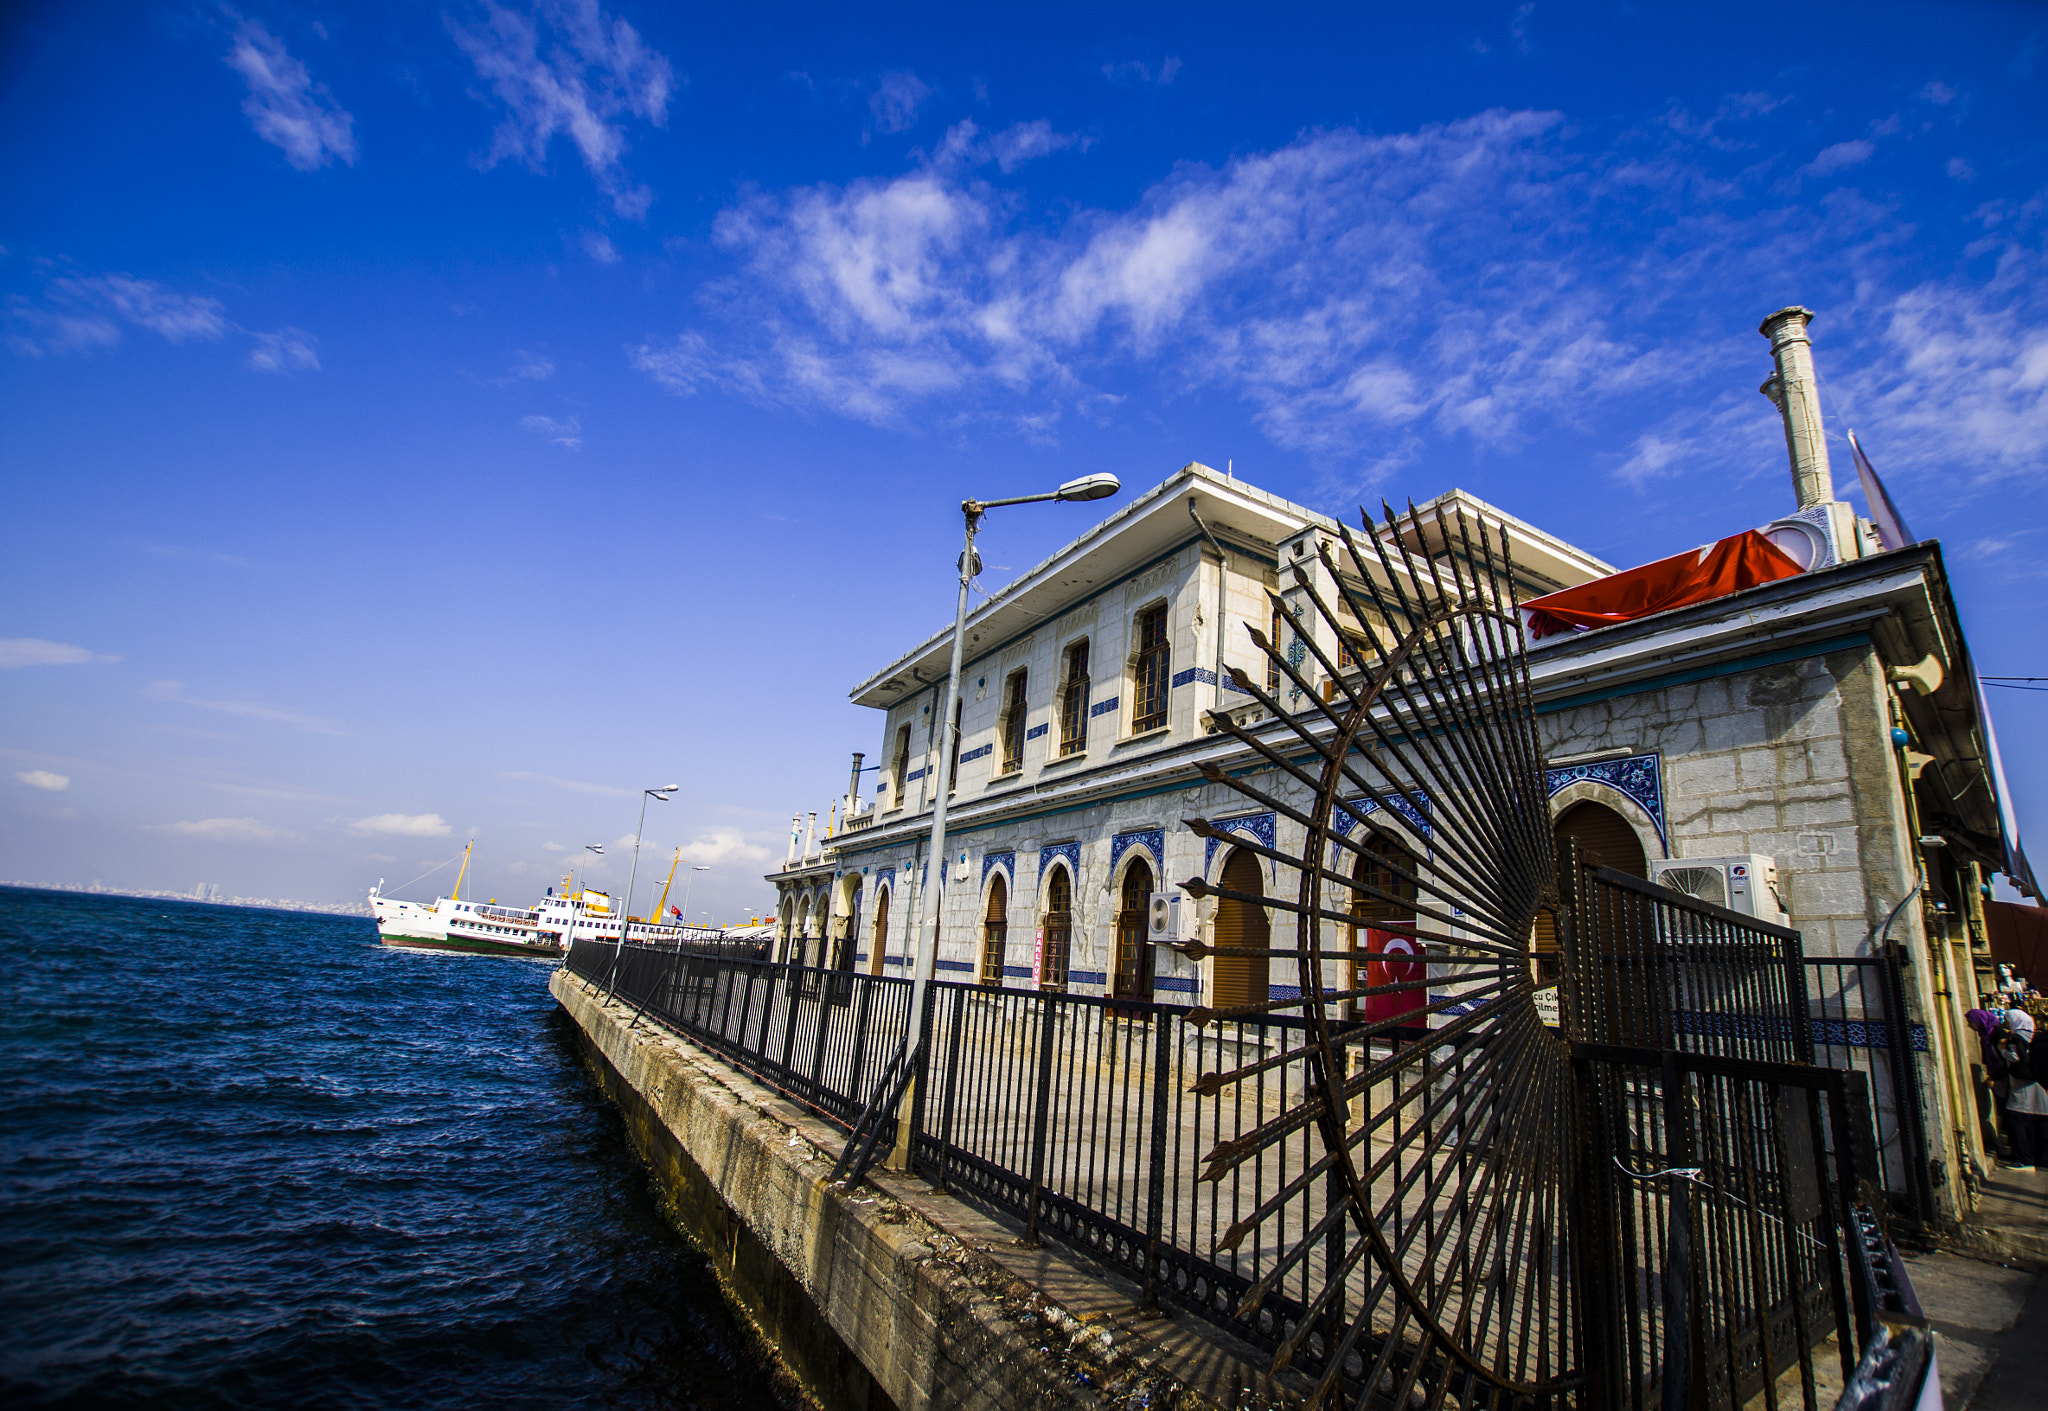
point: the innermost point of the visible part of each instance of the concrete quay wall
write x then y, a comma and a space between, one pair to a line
894, 1295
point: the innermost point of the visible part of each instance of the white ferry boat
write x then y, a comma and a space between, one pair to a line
546, 929
469, 927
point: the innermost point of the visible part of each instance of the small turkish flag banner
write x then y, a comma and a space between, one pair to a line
1395, 959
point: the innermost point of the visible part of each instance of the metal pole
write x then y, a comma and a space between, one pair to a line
928, 920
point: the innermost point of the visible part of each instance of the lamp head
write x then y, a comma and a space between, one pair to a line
1089, 487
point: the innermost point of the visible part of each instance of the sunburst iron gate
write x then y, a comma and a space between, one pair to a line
1510, 1142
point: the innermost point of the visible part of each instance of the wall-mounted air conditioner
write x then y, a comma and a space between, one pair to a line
1162, 921
1746, 882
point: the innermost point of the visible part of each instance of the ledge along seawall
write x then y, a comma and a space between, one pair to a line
894, 1294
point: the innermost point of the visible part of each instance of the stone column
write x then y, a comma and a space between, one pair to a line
1797, 396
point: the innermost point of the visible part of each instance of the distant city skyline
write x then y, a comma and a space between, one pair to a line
426, 425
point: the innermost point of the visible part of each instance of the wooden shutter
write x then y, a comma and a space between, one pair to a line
1241, 979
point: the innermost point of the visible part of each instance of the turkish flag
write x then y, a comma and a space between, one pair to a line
1394, 959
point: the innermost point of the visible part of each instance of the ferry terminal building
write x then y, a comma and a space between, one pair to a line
1825, 723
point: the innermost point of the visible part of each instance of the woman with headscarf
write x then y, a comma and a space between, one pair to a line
1985, 1022
2026, 1105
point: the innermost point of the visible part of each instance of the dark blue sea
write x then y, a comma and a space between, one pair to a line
251, 1158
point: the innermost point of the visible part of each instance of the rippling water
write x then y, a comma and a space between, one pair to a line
252, 1158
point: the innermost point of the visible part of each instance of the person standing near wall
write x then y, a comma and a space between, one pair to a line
2026, 1105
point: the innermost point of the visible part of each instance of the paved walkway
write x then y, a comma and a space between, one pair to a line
1991, 1328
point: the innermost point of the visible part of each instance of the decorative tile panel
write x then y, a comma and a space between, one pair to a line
1352, 812
1177, 984
913, 775
945, 964
1104, 707
1035, 731
1230, 684
1153, 839
1194, 673
1639, 778
990, 861
1257, 826
1087, 977
1070, 851
978, 752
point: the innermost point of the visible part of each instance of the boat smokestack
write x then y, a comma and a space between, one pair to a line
1797, 395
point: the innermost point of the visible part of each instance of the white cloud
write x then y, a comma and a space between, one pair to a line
34, 651
1136, 73
593, 71
1839, 157
576, 786
599, 247
896, 100
1959, 169
565, 432
532, 367
403, 825
225, 830
553, 847
287, 350
285, 106
725, 846
44, 779
174, 692
82, 313
1374, 297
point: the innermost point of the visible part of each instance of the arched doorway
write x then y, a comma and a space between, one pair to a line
1241, 979
1133, 976
1386, 915
1605, 839
1056, 930
995, 930
849, 943
800, 942
879, 952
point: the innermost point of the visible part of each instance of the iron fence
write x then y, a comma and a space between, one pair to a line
1857, 1007
823, 1037
1728, 1270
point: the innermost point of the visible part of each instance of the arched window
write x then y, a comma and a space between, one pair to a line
995, 931
898, 763
1133, 977
1241, 979
800, 942
877, 955
1151, 669
1058, 928
1385, 913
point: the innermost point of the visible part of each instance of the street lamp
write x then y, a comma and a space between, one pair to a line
1088, 487
688, 883
660, 795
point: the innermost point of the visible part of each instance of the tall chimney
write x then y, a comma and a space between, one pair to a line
853, 788
810, 832
796, 822
1798, 399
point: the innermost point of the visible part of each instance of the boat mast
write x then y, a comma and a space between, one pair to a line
465, 868
661, 907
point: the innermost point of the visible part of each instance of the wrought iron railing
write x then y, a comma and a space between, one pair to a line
1857, 1007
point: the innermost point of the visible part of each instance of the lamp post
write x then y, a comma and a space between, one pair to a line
633, 873
1088, 487
688, 883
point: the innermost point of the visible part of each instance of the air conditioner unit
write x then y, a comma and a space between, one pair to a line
1162, 919
1746, 882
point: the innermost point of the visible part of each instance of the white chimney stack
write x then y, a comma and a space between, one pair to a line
810, 833
796, 828
1797, 395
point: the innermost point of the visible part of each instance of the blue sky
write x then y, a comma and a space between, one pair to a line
421, 421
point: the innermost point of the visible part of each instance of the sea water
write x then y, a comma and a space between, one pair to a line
252, 1158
